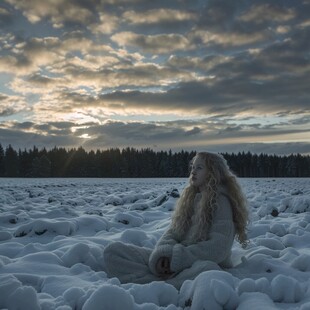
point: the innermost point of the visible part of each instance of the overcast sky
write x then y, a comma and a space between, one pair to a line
219, 75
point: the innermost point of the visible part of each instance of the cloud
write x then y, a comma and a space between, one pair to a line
28, 56
27, 134
88, 62
230, 96
227, 39
107, 24
6, 18
188, 135
253, 80
245, 88
83, 73
260, 13
58, 12
161, 43
140, 75
159, 16
229, 24
289, 55
10, 105
32, 54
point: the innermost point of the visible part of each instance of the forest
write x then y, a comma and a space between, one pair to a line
134, 163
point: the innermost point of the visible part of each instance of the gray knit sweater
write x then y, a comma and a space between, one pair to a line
217, 246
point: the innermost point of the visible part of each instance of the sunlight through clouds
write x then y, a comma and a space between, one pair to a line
218, 74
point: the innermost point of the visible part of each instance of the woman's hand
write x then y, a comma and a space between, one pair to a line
163, 267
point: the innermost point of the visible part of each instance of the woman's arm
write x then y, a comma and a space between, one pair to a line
218, 246
216, 249
163, 250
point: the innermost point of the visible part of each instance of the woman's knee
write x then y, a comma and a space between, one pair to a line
111, 249
113, 245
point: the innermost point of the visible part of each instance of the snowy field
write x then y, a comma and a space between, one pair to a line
53, 232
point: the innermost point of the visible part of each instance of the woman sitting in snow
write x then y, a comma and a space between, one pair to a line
210, 213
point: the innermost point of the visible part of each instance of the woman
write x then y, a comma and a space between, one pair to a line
210, 213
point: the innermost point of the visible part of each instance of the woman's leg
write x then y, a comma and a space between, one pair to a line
129, 263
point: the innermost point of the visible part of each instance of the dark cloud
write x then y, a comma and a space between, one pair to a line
206, 133
227, 95
6, 17
7, 112
226, 26
156, 44
10, 105
39, 79
58, 12
141, 135
218, 14
138, 131
266, 12
26, 139
24, 125
290, 54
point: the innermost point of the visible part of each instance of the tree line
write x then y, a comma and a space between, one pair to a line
134, 163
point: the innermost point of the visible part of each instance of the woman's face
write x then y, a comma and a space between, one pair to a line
198, 173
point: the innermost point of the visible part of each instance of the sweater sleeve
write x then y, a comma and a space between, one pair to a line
216, 248
163, 249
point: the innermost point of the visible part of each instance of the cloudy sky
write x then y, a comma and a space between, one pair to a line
217, 75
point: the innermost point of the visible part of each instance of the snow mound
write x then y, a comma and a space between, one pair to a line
210, 290
53, 233
302, 262
132, 219
137, 237
15, 296
109, 297
40, 227
5, 235
248, 285
295, 204
114, 200
286, 289
154, 293
82, 253
257, 301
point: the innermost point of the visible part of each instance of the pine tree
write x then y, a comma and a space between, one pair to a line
41, 167
131, 162
2, 168
11, 162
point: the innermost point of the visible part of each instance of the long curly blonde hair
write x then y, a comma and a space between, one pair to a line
218, 175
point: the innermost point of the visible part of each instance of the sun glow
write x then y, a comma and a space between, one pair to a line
85, 136
79, 118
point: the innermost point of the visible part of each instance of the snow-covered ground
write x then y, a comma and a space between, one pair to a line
53, 232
